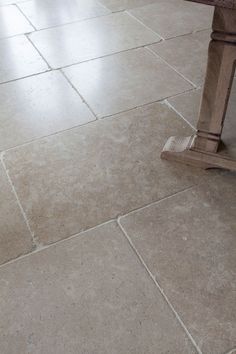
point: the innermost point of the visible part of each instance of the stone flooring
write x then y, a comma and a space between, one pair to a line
104, 247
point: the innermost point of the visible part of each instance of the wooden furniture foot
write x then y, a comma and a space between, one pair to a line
182, 149
201, 149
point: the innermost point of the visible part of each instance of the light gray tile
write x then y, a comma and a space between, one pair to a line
188, 242
18, 59
12, 22
9, 2
92, 38
188, 106
120, 5
187, 54
15, 238
37, 106
49, 13
174, 18
89, 294
80, 178
125, 80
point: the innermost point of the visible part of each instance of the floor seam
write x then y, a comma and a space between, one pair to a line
78, 93
170, 66
180, 321
38, 51
179, 114
34, 239
27, 19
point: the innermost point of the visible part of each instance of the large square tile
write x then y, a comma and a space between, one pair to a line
13, 22
91, 39
188, 242
125, 80
89, 294
174, 18
37, 106
187, 54
19, 59
188, 106
80, 178
49, 13
120, 5
15, 238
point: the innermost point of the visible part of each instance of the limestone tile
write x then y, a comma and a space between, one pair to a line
89, 294
37, 106
48, 13
120, 5
80, 178
13, 22
188, 106
187, 54
174, 18
90, 39
18, 59
15, 238
124, 81
188, 242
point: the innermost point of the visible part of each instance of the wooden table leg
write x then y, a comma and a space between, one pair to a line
201, 149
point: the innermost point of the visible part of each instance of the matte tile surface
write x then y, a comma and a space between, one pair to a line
15, 238
188, 106
88, 295
188, 242
80, 178
174, 18
187, 54
12, 22
125, 80
38, 106
18, 59
91, 39
48, 13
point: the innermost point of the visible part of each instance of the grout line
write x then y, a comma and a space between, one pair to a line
67, 23
176, 111
41, 247
32, 43
160, 289
25, 77
161, 101
76, 90
172, 67
156, 202
34, 240
27, 19
143, 24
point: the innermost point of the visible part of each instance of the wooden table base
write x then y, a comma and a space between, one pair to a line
201, 150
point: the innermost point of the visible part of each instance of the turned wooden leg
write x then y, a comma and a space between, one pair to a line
201, 149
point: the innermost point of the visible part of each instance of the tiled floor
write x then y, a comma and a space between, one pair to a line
104, 247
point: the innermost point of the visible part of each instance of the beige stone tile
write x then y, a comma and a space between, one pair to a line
188, 242
174, 18
187, 54
91, 39
120, 5
188, 106
18, 59
15, 238
13, 22
28, 111
47, 13
89, 294
125, 80
80, 178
